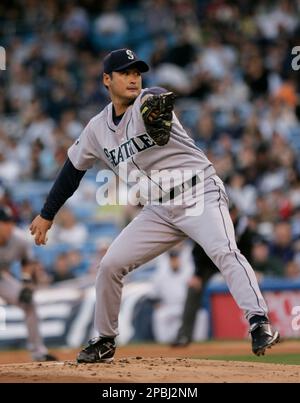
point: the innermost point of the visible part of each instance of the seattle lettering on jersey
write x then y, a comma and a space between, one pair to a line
129, 148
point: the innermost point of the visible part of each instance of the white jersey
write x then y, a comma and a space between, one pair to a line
129, 144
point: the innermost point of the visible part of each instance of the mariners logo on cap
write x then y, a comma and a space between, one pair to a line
130, 54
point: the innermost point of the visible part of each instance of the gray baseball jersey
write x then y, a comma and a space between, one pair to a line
127, 145
17, 248
158, 227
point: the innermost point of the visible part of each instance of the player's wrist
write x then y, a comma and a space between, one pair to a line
46, 215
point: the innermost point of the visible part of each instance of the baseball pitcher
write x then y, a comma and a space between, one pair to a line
139, 131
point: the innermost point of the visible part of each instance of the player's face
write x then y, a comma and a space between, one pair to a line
124, 86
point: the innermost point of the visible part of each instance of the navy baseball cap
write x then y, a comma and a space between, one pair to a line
122, 59
6, 214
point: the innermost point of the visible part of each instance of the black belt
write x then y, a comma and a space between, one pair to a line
175, 191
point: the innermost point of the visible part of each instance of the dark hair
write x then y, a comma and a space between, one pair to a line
6, 214
110, 75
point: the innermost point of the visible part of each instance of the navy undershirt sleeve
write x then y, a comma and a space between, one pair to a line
64, 186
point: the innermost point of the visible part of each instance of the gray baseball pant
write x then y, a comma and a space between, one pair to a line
158, 228
9, 290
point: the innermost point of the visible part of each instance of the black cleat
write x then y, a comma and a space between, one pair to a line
263, 337
45, 357
99, 349
181, 341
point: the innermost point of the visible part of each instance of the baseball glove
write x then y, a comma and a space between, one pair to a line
157, 116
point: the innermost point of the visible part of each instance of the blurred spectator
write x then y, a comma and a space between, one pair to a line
61, 269
110, 29
295, 223
6, 199
9, 170
35, 168
39, 126
241, 194
264, 264
67, 230
26, 212
281, 247
70, 125
78, 266
275, 20
292, 270
217, 59
76, 23
159, 17
35, 270
172, 77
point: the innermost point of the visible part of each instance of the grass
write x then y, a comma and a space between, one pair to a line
289, 359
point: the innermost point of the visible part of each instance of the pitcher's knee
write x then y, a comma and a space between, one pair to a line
111, 267
221, 256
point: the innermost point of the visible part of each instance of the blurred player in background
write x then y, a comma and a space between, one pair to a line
14, 247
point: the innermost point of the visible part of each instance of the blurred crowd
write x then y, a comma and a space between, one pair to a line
229, 62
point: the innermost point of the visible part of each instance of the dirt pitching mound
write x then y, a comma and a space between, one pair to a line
147, 370
154, 363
